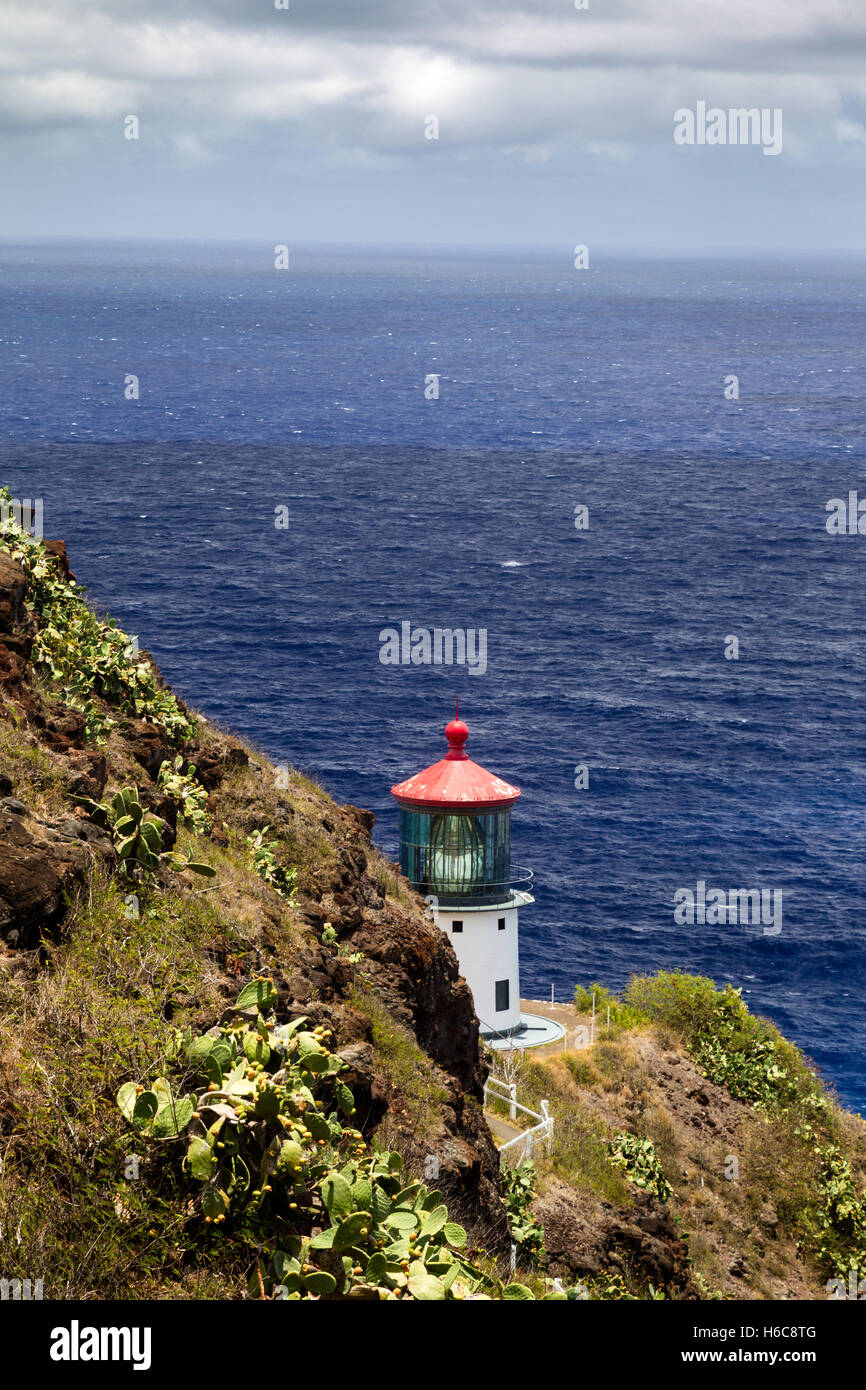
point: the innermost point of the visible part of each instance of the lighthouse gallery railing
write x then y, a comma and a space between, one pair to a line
490, 893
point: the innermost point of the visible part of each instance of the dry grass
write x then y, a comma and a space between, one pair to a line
38, 776
100, 1011
756, 1215
417, 1085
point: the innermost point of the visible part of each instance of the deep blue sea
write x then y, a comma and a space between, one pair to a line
557, 388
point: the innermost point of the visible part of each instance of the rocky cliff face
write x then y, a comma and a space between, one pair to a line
404, 1018
409, 967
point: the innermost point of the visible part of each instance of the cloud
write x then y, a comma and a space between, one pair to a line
192, 149
533, 89
519, 73
846, 131
61, 98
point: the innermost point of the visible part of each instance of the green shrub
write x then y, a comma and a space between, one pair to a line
84, 657
518, 1187
842, 1215
636, 1157
622, 1015
263, 861
745, 1054
282, 1176
138, 836
818, 1198
686, 1003
187, 793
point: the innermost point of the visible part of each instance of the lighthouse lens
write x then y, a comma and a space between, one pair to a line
457, 855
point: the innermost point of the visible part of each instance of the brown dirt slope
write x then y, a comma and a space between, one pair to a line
733, 1225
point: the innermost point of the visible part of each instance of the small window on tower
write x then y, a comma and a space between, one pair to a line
456, 926
501, 924
501, 996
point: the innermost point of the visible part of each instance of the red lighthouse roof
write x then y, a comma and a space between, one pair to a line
455, 781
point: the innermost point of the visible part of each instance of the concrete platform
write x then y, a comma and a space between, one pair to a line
534, 1030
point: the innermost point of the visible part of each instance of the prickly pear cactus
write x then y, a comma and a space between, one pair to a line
276, 1162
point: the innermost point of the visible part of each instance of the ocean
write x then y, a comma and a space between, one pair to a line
171, 402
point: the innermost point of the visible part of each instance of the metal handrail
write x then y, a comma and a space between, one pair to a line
543, 1130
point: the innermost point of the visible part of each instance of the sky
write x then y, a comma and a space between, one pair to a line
311, 123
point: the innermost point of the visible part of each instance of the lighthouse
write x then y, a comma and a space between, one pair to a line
455, 848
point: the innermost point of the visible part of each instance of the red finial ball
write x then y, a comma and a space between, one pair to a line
456, 733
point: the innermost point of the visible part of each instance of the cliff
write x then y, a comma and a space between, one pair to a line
75, 993
128, 930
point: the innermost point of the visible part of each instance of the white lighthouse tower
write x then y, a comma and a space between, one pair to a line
455, 848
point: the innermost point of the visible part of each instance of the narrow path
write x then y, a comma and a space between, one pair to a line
577, 1033
501, 1129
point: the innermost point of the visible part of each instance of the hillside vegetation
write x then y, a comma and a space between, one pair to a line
696, 1148
237, 1058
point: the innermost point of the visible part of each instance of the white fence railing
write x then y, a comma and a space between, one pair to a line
522, 1145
